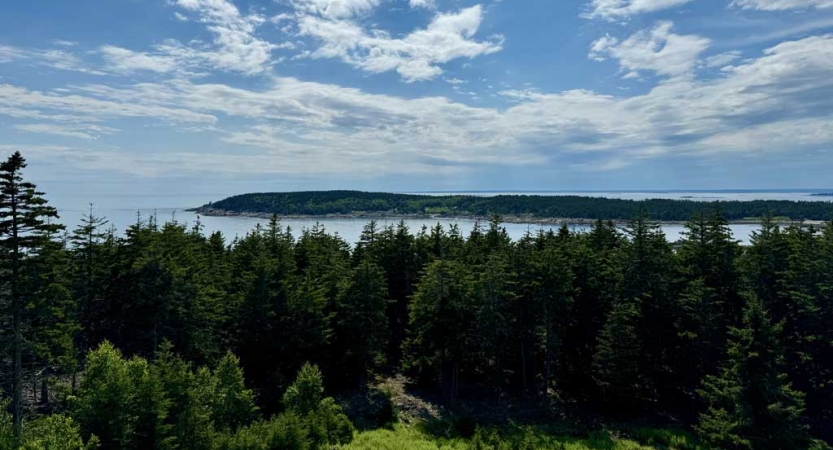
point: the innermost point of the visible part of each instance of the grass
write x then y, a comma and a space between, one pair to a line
403, 437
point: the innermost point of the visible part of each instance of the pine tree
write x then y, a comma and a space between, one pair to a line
51, 312
615, 366
86, 240
441, 326
649, 271
494, 301
710, 301
234, 404
750, 403
361, 326
24, 221
596, 265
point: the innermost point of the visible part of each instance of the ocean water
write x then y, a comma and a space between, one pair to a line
123, 212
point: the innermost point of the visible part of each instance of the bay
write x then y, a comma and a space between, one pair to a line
123, 212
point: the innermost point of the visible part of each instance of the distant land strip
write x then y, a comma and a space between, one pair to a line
512, 208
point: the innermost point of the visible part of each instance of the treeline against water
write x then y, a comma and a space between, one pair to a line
570, 207
131, 341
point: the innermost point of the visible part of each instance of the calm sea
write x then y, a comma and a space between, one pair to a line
123, 212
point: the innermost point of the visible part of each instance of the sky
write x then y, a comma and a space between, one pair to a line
207, 98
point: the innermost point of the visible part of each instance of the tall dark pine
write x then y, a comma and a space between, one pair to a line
85, 239
24, 221
750, 404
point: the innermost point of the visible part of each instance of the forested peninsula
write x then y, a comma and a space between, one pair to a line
512, 208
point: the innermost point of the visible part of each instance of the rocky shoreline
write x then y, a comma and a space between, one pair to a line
214, 212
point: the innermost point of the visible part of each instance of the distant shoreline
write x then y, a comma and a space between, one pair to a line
531, 220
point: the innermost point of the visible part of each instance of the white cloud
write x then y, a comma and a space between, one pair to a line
124, 61
234, 47
22, 102
619, 10
777, 102
415, 57
64, 43
86, 131
455, 81
722, 59
56, 59
427, 4
657, 50
336, 9
9, 53
778, 5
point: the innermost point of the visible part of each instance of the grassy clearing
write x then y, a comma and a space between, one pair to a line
403, 437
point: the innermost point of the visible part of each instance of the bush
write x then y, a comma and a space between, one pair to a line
285, 432
55, 432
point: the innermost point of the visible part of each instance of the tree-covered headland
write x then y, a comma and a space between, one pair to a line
321, 203
165, 337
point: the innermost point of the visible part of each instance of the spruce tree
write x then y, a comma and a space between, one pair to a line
24, 221
361, 326
750, 404
615, 367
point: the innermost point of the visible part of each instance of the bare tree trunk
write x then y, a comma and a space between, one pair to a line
17, 319
44, 389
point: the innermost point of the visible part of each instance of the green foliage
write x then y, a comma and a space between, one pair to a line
284, 432
606, 321
121, 401
326, 420
750, 404
319, 203
7, 439
615, 364
361, 321
304, 395
233, 404
519, 438
55, 432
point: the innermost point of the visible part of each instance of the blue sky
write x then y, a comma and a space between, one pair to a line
215, 97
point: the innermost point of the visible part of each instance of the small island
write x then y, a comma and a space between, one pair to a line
512, 208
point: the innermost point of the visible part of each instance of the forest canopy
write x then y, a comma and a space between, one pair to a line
167, 337
319, 203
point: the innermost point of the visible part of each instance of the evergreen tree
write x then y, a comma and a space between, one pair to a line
234, 404
122, 402
750, 403
596, 267
442, 325
24, 221
51, 313
710, 302
649, 271
361, 327
494, 301
89, 271
615, 364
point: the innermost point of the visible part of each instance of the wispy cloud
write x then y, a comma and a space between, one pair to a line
86, 131
621, 10
54, 58
335, 9
780, 5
